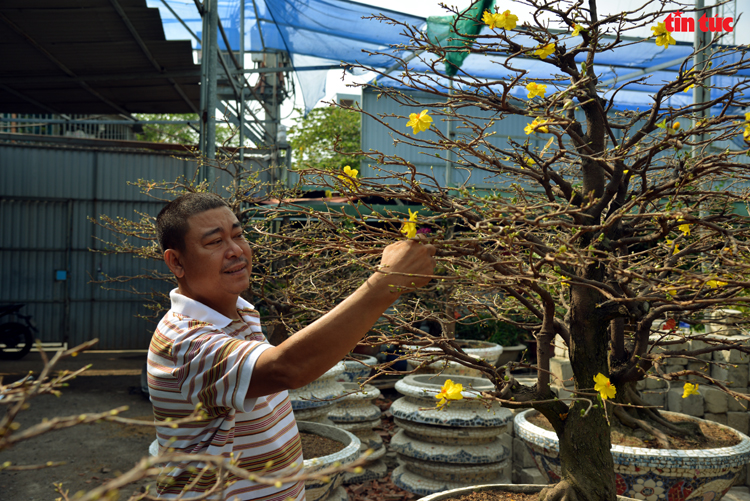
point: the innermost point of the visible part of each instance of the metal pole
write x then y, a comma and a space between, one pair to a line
243, 81
205, 54
213, 19
700, 92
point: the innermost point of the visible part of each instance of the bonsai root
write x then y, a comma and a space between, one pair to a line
628, 419
561, 491
632, 422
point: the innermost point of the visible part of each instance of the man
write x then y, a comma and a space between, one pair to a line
209, 349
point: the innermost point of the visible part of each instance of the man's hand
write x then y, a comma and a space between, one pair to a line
404, 265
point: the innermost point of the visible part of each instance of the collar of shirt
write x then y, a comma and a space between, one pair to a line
199, 311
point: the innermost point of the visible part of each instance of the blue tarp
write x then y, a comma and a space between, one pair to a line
329, 32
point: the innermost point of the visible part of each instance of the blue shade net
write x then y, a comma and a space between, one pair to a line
321, 33
314, 33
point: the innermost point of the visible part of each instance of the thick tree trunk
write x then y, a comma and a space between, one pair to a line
586, 460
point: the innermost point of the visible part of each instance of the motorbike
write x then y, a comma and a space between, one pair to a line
17, 336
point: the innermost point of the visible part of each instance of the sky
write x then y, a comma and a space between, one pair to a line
425, 8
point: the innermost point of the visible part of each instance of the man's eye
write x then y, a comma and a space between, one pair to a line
215, 242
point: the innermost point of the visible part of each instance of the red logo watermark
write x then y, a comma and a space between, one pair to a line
676, 23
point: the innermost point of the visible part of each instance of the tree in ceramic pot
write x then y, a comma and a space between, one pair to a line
604, 223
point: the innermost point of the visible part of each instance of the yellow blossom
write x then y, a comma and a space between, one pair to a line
328, 194
410, 227
506, 20
577, 29
419, 122
692, 84
746, 133
529, 161
715, 283
684, 228
747, 116
663, 37
536, 89
676, 247
536, 126
350, 177
604, 387
488, 18
449, 391
690, 389
545, 51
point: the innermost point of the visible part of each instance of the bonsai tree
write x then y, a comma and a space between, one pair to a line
622, 224
615, 227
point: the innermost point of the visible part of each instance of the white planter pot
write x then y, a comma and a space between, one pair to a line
357, 405
357, 370
314, 401
510, 354
651, 474
357, 414
481, 350
317, 490
456, 446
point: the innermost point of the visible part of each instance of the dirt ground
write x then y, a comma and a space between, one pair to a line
97, 452
93, 453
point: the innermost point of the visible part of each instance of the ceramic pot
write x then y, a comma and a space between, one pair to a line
499, 488
317, 490
510, 354
357, 370
484, 350
314, 401
460, 445
357, 414
651, 474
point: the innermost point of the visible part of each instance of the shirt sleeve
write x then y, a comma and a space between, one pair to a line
215, 369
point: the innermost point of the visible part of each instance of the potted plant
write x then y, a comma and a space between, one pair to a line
647, 473
320, 489
455, 494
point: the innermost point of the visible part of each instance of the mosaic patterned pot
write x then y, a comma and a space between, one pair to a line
356, 370
484, 350
357, 414
457, 446
498, 488
651, 474
314, 401
317, 490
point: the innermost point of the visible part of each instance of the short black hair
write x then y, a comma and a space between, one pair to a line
172, 221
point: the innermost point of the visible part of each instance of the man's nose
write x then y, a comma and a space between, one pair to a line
234, 249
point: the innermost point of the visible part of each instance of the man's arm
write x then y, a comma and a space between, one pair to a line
309, 353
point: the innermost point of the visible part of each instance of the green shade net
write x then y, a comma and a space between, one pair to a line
440, 31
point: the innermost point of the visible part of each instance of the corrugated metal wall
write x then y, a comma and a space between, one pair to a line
47, 194
376, 137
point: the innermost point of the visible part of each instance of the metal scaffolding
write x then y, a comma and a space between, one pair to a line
230, 93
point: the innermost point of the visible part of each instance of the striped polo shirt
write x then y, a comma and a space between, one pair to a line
198, 355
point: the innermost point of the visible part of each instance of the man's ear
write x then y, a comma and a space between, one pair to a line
173, 258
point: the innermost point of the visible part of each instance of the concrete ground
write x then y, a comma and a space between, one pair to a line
92, 453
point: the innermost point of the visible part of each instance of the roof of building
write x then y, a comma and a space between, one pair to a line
92, 57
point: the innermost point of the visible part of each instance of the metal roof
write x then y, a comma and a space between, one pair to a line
92, 56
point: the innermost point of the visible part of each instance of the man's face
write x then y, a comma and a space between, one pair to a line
217, 260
